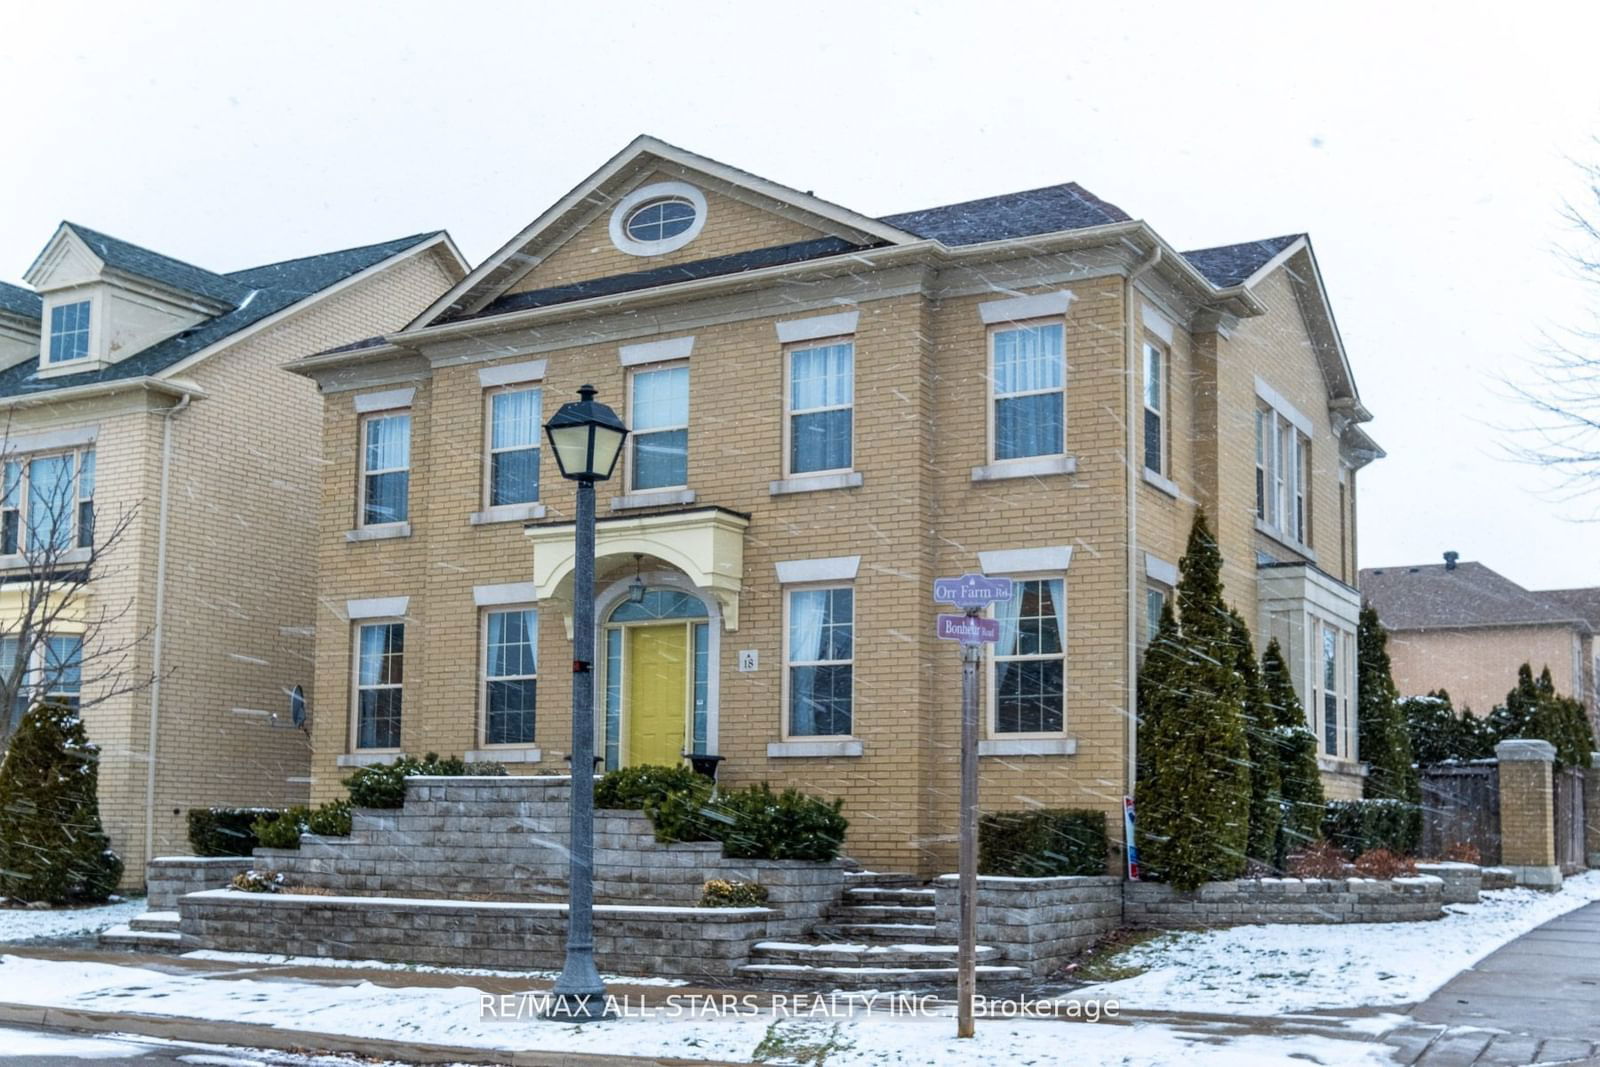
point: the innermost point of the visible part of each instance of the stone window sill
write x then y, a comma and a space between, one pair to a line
1163, 484
799, 749
1028, 746
1035, 467
1285, 540
1335, 765
507, 513
504, 755
815, 483
652, 499
382, 532
367, 759
20, 561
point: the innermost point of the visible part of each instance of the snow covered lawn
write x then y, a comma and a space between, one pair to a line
26, 924
1273, 969
453, 1016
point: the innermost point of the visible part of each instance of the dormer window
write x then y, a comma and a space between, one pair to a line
69, 331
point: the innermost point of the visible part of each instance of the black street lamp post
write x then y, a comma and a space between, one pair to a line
587, 439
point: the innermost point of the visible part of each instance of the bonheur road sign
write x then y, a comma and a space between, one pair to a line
971, 590
968, 629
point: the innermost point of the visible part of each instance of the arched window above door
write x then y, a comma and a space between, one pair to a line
659, 604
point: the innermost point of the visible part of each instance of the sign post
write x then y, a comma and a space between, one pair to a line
971, 592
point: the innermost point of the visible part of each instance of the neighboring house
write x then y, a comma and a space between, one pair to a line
829, 411
149, 392
1462, 627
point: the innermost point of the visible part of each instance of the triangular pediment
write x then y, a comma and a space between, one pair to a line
584, 237
65, 262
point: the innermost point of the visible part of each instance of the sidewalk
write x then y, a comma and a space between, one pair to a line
1536, 1000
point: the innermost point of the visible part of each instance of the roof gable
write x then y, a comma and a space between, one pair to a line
265, 291
633, 166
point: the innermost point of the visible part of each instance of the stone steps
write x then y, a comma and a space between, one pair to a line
157, 922
889, 913
849, 954
878, 933
125, 936
920, 895
883, 880
791, 975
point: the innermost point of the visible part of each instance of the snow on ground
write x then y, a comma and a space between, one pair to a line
78, 1047
453, 1016
268, 959
27, 924
1278, 968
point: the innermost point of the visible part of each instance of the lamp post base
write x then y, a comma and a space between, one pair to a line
578, 1008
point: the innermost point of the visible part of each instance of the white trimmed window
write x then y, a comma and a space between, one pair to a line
53, 673
47, 503
380, 673
1155, 408
512, 471
1155, 600
1283, 476
659, 442
385, 468
1333, 671
510, 675
1028, 667
1028, 383
821, 400
820, 661
69, 331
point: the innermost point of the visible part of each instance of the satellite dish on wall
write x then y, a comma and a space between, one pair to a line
297, 707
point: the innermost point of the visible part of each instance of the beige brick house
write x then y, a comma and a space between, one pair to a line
1466, 628
830, 410
147, 395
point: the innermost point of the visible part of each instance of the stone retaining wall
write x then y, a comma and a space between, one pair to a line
1038, 923
507, 837
1498, 878
1462, 881
169, 877
1284, 900
691, 943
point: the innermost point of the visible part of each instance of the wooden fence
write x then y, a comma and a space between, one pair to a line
1461, 806
1570, 851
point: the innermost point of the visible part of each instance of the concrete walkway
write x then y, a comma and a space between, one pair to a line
1537, 1000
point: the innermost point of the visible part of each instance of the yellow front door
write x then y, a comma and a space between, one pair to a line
658, 685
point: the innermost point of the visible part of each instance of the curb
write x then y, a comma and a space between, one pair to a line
260, 1035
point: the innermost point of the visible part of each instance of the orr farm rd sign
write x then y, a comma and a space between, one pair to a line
972, 592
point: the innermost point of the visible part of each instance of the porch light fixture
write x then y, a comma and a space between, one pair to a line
636, 588
587, 439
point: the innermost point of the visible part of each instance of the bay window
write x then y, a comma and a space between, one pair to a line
660, 438
1028, 680
1028, 383
820, 661
821, 408
1283, 476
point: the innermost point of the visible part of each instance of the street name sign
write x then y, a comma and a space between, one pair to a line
968, 629
971, 590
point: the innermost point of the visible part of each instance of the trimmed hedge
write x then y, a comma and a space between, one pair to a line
753, 823
225, 831
282, 830
635, 788
1043, 843
1359, 826
330, 820
383, 785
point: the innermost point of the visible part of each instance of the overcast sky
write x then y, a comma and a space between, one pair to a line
1426, 148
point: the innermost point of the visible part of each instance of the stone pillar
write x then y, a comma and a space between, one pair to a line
1528, 812
1591, 810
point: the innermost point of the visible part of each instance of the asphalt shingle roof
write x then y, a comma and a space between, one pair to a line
1229, 265
143, 263
20, 301
997, 218
1585, 602
262, 291
716, 266
1436, 597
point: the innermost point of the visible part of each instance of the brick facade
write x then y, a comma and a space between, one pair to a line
920, 428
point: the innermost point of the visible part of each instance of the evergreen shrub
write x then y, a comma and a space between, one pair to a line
1360, 826
633, 788
225, 831
752, 823
53, 848
383, 785
721, 893
1043, 843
